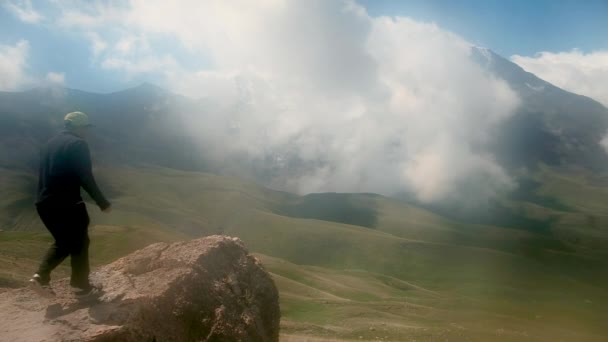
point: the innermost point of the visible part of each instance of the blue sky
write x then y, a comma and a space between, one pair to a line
514, 27
510, 27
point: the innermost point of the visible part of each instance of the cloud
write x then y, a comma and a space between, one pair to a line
13, 64
98, 45
14, 69
55, 78
23, 10
126, 44
94, 14
313, 96
575, 71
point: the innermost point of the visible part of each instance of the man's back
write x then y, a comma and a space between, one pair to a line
65, 166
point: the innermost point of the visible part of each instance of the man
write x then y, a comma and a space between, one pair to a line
65, 166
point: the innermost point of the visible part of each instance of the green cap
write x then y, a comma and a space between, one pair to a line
77, 119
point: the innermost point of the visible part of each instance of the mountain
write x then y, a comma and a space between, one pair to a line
133, 126
347, 265
147, 124
552, 126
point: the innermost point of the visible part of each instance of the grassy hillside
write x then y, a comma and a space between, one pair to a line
20, 252
351, 266
356, 305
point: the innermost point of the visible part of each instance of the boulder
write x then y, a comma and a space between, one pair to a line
208, 289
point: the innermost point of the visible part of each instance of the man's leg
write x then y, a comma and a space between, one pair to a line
79, 251
53, 257
80, 262
59, 250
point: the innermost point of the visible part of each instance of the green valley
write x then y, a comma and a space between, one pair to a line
404, 274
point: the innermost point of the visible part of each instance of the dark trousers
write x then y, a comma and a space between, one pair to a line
69, 226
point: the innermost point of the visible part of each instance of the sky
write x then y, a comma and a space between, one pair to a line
518, 28
368, 96
513, 27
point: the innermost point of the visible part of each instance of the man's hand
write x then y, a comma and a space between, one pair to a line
107, 210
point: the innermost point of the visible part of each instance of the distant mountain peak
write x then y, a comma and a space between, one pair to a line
505, 69
552, 125
148, 85
483, 53
144, 89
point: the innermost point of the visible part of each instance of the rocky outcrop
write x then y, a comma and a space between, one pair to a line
208, 289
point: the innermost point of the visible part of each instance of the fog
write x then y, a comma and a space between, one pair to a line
318, 96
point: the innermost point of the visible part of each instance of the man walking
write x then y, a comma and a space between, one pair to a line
65, 166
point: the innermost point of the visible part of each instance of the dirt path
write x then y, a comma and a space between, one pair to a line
21, 314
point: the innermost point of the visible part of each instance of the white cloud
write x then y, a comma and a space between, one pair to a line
23, 10
323, 97
126, 44
14, 67
575, 71
55, 78
13, 64
98, 45
94, 14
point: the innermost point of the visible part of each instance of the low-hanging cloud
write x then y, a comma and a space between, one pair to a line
55, 78
319, 96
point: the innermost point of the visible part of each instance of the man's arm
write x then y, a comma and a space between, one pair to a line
83, 168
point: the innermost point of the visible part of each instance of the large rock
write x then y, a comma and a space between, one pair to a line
208, 289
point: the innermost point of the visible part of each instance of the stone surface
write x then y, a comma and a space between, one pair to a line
208, 289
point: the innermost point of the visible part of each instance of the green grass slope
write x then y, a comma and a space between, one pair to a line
21, 252
358, 305
351, 266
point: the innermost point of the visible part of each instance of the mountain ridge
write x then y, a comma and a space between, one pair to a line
512, 68
149, 125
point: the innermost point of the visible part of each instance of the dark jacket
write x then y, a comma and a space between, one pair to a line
65, 166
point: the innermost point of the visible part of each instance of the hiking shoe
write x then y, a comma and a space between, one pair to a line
86, 291
37, 279
41, 286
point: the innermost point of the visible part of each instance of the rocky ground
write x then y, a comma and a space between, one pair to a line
208, 289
